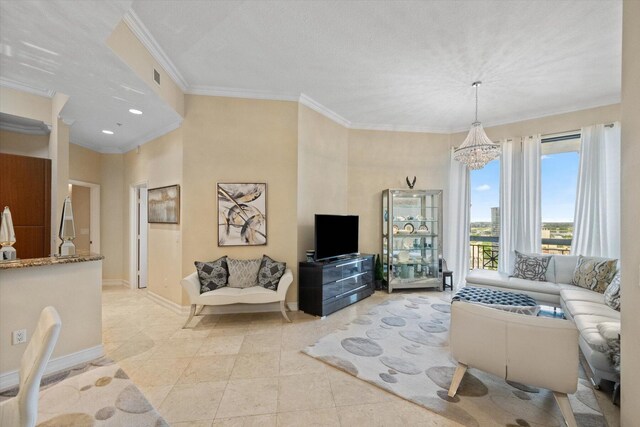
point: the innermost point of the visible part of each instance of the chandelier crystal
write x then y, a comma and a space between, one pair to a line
477, 149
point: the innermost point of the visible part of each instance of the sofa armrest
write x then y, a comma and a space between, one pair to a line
283, 285
191, 284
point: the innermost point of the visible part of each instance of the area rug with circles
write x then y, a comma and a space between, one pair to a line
402, 346
98, 393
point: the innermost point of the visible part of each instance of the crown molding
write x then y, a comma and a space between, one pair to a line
398, 128
25, 129
307, 101
230, 92
23, 87
150, 136
142, 33
97, 149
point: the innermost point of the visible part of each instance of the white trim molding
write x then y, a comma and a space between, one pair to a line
12, 378
150, 136
162, 301
230, 92
23, 87
319, 108
114, 282
142, 33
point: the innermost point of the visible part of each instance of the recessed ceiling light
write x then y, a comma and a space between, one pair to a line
134, 111
108, 132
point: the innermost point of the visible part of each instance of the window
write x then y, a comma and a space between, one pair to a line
485, 216
559, 175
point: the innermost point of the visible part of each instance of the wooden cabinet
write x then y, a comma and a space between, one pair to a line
326, 287
25, 186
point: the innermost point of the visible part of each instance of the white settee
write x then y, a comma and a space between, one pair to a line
228, 295
583, 306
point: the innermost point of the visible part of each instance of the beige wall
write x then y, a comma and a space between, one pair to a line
549, 124
322, 172
158, 164
630, 208
24, 104
112, 215
239, 140
380, 160
22, 144
59, 155
84, 164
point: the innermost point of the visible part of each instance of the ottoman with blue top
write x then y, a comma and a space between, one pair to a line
501, 300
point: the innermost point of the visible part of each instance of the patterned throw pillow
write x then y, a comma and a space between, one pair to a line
213, 274
594, 273
531, 267
270, 273
612, 294
243, 273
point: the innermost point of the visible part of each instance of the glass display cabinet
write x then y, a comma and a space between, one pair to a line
412, 238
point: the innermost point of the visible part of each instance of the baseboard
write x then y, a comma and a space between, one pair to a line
176, 308
12, 378
220, 309
115, 282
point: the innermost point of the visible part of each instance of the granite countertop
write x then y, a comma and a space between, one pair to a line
52, 260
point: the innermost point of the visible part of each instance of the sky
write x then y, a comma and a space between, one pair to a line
559, 183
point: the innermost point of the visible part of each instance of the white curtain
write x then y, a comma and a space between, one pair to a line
597, 213
456, 251
520, 203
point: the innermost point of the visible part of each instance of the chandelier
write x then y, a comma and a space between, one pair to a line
477, 149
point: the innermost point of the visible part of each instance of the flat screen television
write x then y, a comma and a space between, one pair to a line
336, 236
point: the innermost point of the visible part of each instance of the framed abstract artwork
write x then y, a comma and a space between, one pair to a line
242, 214
163, 205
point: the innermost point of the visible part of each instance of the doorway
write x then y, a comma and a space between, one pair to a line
85, 199
139, 237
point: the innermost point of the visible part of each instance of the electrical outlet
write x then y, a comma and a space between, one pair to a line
19, 336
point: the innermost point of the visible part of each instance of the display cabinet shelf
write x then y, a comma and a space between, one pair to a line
411, 257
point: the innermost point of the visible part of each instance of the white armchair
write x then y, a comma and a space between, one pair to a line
537, 351
227, 295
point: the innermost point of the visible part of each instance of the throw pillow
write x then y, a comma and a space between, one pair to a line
531, 267
612, 294
243, 273
213, 274
270, 273
594, 273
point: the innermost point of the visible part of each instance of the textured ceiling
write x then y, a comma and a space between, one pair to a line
400, 64
376, 64
60, 46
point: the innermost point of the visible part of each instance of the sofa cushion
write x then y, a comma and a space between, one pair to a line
564, 265
213, 274
270, 273
500, 280
531, 266
594, 273
243, 273
228, 291
580, 294
612, 294
579, 308
588, 327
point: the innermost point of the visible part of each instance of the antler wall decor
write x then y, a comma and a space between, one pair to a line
411, 183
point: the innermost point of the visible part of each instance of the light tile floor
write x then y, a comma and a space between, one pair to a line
247, 370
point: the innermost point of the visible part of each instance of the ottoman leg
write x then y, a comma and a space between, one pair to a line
457, 378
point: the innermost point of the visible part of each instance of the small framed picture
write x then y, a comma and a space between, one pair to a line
163, 205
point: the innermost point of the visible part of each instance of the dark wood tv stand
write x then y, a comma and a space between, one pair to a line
327, 286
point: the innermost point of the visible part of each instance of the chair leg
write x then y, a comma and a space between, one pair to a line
283, 310
565, 407
191, 313
457, 377
200, 310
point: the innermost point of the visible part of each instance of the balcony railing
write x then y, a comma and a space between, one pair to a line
484, 250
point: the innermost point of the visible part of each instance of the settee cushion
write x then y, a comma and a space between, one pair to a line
270, 273
574, 293
579, 308
587, 325
594, 273
500, 280
612, 294
565, 266
531, 267
243, 273
213, 274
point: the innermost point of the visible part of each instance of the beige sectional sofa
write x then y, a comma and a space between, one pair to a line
585, 307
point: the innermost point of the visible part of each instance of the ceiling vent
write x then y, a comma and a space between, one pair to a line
156, 76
